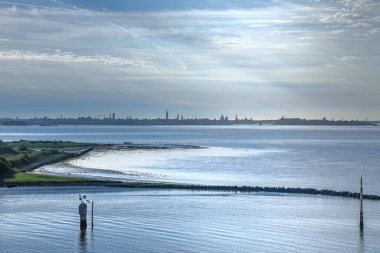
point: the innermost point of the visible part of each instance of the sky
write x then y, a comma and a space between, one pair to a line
198, 58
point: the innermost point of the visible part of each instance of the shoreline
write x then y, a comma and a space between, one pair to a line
23, 178
46, 181
60, 151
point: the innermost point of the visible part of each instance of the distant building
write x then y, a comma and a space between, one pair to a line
113, 115
167, 115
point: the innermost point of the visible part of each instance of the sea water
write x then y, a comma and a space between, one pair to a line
317, 157
37, 219
45, 219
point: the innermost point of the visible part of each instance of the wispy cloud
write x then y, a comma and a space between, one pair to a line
69, 57
351, 58
196, 53
340, 31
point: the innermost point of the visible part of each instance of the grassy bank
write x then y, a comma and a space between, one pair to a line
24, 155
25, 145
31, 178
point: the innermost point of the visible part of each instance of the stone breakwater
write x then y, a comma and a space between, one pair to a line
192, 187
309, 191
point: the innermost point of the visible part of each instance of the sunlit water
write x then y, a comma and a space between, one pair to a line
46, 220
317, 157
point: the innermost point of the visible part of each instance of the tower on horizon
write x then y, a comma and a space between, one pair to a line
167, 115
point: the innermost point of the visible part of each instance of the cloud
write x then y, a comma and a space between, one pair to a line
337, 31
242, 57
69, 57
360, 4
374, 31
351, 58
353, 13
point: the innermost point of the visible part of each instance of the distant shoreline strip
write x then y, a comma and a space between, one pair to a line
174, 186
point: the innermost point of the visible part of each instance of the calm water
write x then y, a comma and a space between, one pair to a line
46, 219
317, 157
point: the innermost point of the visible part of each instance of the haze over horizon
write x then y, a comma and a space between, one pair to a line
260, 59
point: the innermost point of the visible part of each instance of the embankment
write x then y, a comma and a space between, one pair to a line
55, 159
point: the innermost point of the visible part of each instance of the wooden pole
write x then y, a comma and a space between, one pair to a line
92, 215
361, 204
83, 215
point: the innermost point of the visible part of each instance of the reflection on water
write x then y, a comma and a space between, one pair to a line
82, 240
85, 240
222, 166
317, 157
361, 241
46, 219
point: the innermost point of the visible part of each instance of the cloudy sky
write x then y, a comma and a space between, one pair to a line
261, 59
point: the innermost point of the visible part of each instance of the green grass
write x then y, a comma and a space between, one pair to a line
22, 153
46, 144
6, 150
31, 178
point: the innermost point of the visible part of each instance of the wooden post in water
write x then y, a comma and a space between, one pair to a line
361, 204
92, 215
83, 215
83, 212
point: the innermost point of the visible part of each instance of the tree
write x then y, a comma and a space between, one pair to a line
5, 169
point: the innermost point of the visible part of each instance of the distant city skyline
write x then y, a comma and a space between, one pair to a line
173, 115
263, 59
167, 116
